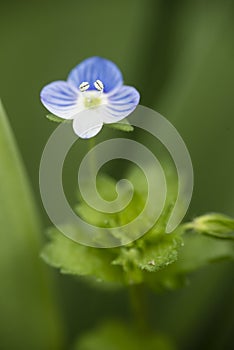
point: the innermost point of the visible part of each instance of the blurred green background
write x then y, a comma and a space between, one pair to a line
180, 56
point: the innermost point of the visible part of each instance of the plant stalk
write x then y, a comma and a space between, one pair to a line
139, 307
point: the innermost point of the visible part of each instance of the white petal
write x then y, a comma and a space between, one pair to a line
88, 123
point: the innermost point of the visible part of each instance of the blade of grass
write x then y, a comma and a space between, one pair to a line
28, 318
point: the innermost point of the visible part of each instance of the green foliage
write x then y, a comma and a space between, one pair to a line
123, 265
153, 253
73, 258
28, 317
107, 189
116, 335
126, 264
122, 125
56, 119
216, 225
198, 251
161, 252
160, 260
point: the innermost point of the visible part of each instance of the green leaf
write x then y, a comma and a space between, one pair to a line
201, 250
148, 255
106, 187
122, 125
56, 119
26, 298
198, 251
76, 259
127, 259
116, 335
161, 253
214, 224
159, 259
124, 264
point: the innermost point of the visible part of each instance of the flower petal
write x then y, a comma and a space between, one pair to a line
96, 68
61, 99
120, 104
88, 123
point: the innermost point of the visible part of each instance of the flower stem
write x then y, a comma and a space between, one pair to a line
138, 302
92, 156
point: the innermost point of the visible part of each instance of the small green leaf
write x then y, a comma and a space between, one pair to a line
152, 255
198, 251
76, 259
106, 187
161, 253
123, 125
148, 254
213, 224
56, 119
127, 259
115, 335
201, 250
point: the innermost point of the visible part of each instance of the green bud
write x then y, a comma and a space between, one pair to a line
213, 224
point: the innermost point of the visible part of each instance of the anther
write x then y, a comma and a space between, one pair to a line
99, 85
84, 86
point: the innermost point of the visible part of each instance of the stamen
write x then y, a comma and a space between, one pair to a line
99, 85
84, 86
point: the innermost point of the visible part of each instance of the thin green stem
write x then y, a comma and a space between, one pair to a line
138, 302
93, 164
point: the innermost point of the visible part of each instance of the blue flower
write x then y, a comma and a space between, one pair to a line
93, 95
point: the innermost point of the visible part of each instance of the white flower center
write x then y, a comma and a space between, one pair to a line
93, 98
